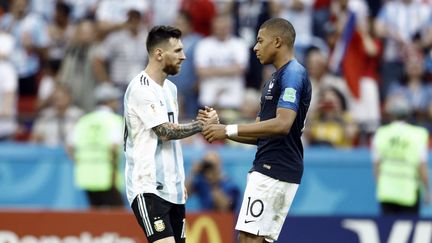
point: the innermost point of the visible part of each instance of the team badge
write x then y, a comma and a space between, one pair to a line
289, 95
159, 225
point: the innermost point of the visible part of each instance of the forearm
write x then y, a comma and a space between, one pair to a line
246, 140
170, 131
262, 129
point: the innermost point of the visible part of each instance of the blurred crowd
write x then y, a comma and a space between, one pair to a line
360, 55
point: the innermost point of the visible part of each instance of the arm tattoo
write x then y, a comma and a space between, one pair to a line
169, 131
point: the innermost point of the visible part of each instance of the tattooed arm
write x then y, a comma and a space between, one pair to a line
170, 131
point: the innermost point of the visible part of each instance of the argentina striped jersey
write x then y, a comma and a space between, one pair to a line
152, 165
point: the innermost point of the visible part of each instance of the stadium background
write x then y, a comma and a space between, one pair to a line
335, 203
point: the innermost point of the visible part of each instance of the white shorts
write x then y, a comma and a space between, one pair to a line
266, 203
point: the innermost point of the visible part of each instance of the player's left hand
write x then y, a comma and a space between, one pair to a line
214, 132
207, 116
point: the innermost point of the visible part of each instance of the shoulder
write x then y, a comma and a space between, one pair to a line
172, 87
141, 82
295, 66
140, 88
293, 71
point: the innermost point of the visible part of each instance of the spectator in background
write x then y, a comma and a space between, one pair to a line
117, 58
412, 17
299, 13
4, 7
321, 77
215, 191
60, 31
76, 70
187, 79
54, 125
248, 16
112, 14
96, 149
400, 155
320, 15
8, 88
413, 87
331, 124
31, 35
202, 13
221, 61
355, 57
43, 8
164, 12
82, 9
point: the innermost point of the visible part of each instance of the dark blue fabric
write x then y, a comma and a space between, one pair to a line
281, 157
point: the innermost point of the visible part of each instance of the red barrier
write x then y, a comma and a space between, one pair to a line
104, 226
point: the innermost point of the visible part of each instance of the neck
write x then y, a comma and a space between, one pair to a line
155, 72
283, 59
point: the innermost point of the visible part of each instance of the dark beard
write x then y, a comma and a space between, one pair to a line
170, 70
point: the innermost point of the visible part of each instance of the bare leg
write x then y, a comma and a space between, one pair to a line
245, 237
166, 240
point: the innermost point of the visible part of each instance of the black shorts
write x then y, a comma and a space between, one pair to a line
159, 218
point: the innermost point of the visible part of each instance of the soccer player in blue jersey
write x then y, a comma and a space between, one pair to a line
278, 166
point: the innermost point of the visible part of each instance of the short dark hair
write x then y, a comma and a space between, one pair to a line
63, 8
160, 34
282, 28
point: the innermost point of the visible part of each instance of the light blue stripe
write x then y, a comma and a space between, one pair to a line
160, 170
174, 150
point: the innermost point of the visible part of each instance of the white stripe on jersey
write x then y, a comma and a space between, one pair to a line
152, 165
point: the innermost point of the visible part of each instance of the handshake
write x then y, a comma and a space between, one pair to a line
212, 129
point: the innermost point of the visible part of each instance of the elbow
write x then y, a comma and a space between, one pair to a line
282, 130
164, 138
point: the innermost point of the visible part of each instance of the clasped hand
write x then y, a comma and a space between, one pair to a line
212, 130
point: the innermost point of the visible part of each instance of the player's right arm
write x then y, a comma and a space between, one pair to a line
170, 131
246, 140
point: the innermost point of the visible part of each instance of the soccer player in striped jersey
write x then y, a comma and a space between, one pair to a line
154, 163
278, 166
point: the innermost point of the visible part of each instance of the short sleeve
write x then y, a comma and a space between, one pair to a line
291, 89
148, 107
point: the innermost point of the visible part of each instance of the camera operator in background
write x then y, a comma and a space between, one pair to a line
215, 191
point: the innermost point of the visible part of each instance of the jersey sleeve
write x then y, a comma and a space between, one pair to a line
148, 107
291, 90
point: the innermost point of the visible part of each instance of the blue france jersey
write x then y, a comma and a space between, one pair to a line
281, 157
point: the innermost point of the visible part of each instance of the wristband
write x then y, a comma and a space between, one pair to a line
231, 130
